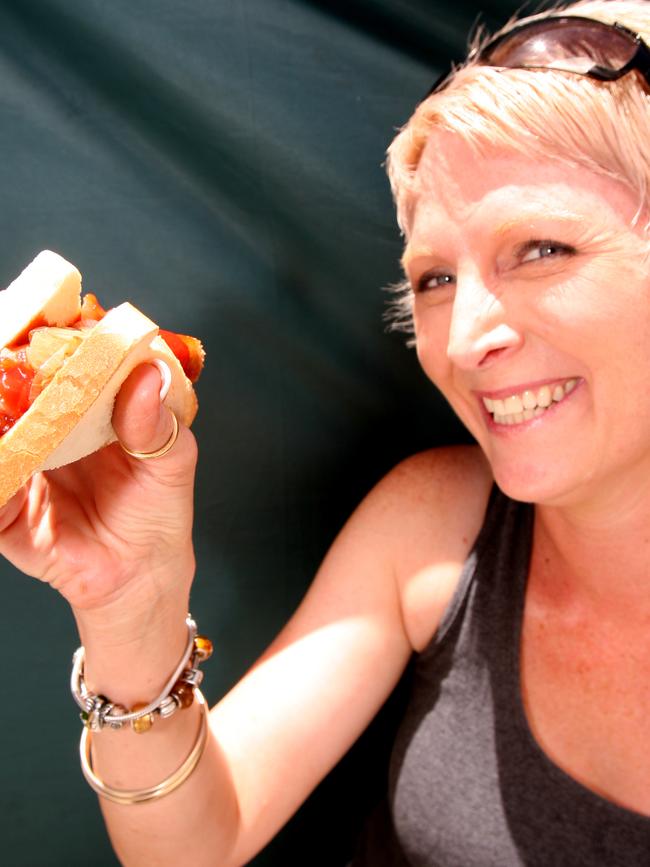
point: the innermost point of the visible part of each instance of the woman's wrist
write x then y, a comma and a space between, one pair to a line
131, 651
135, 673
178, 693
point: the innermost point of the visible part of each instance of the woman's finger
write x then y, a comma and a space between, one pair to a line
142, 423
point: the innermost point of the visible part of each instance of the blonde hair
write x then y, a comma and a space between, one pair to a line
604, 127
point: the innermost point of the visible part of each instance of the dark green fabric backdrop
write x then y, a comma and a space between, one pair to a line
219, 163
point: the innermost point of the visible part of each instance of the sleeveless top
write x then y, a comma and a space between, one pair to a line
469, 786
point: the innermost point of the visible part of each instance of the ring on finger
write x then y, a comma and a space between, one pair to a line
158, 453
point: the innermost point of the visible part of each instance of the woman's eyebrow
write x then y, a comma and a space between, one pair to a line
521, 220
413, 252
529, 219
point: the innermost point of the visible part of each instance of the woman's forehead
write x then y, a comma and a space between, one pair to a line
454, 182
452, 172
458, 190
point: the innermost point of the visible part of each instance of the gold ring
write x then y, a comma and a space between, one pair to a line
158, 453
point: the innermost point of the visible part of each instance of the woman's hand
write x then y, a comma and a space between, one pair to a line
111, 530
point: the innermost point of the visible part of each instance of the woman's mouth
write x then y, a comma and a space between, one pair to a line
528, 404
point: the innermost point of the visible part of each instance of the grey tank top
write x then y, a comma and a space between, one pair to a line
469, 785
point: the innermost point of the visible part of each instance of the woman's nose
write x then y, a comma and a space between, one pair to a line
480, 330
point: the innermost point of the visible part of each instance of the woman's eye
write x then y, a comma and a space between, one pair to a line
532, 251
435, 281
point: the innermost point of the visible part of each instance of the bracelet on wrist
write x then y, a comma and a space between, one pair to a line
129, 797
98, 711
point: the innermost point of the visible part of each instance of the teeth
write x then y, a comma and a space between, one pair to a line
514, 405
529, 400
530, 404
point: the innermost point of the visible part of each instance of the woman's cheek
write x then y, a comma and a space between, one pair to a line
430, 355
432, 342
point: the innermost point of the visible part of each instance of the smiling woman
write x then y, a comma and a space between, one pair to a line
505, 317
513, 575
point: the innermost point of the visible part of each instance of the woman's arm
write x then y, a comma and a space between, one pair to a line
281, 729
313, 692
114, 536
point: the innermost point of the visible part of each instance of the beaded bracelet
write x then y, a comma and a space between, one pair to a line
98, 711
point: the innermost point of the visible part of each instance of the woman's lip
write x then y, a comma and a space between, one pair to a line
510, 391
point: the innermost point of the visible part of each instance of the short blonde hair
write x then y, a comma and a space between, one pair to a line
604, 127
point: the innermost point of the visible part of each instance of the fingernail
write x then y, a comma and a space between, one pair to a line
165, 376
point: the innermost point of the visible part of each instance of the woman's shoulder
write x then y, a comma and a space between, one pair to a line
437, 500
450, 470
444, 488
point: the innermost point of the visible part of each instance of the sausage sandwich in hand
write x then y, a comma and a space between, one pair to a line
62, 362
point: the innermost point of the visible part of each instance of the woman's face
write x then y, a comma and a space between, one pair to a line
532, 315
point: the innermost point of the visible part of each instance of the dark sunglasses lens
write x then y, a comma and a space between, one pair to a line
574, 46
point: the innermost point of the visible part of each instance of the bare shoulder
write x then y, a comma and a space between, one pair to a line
431, 507
435, 493
450, 472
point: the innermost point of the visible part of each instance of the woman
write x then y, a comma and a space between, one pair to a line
522, 195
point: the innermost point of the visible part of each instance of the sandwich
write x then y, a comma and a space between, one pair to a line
62, 362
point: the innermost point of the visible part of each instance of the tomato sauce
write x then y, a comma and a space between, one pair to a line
23, 337
15, 383
188, 352
91, 309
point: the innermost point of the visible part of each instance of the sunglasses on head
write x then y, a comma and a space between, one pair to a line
567, 43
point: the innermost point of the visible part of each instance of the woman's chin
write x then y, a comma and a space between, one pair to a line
534, 483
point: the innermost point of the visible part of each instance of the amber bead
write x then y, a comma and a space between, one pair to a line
143, 723
203, 647
184, 693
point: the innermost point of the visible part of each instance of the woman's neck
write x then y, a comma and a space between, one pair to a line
597, 552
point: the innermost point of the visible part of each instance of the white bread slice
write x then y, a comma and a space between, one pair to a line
71, 417
47, 292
